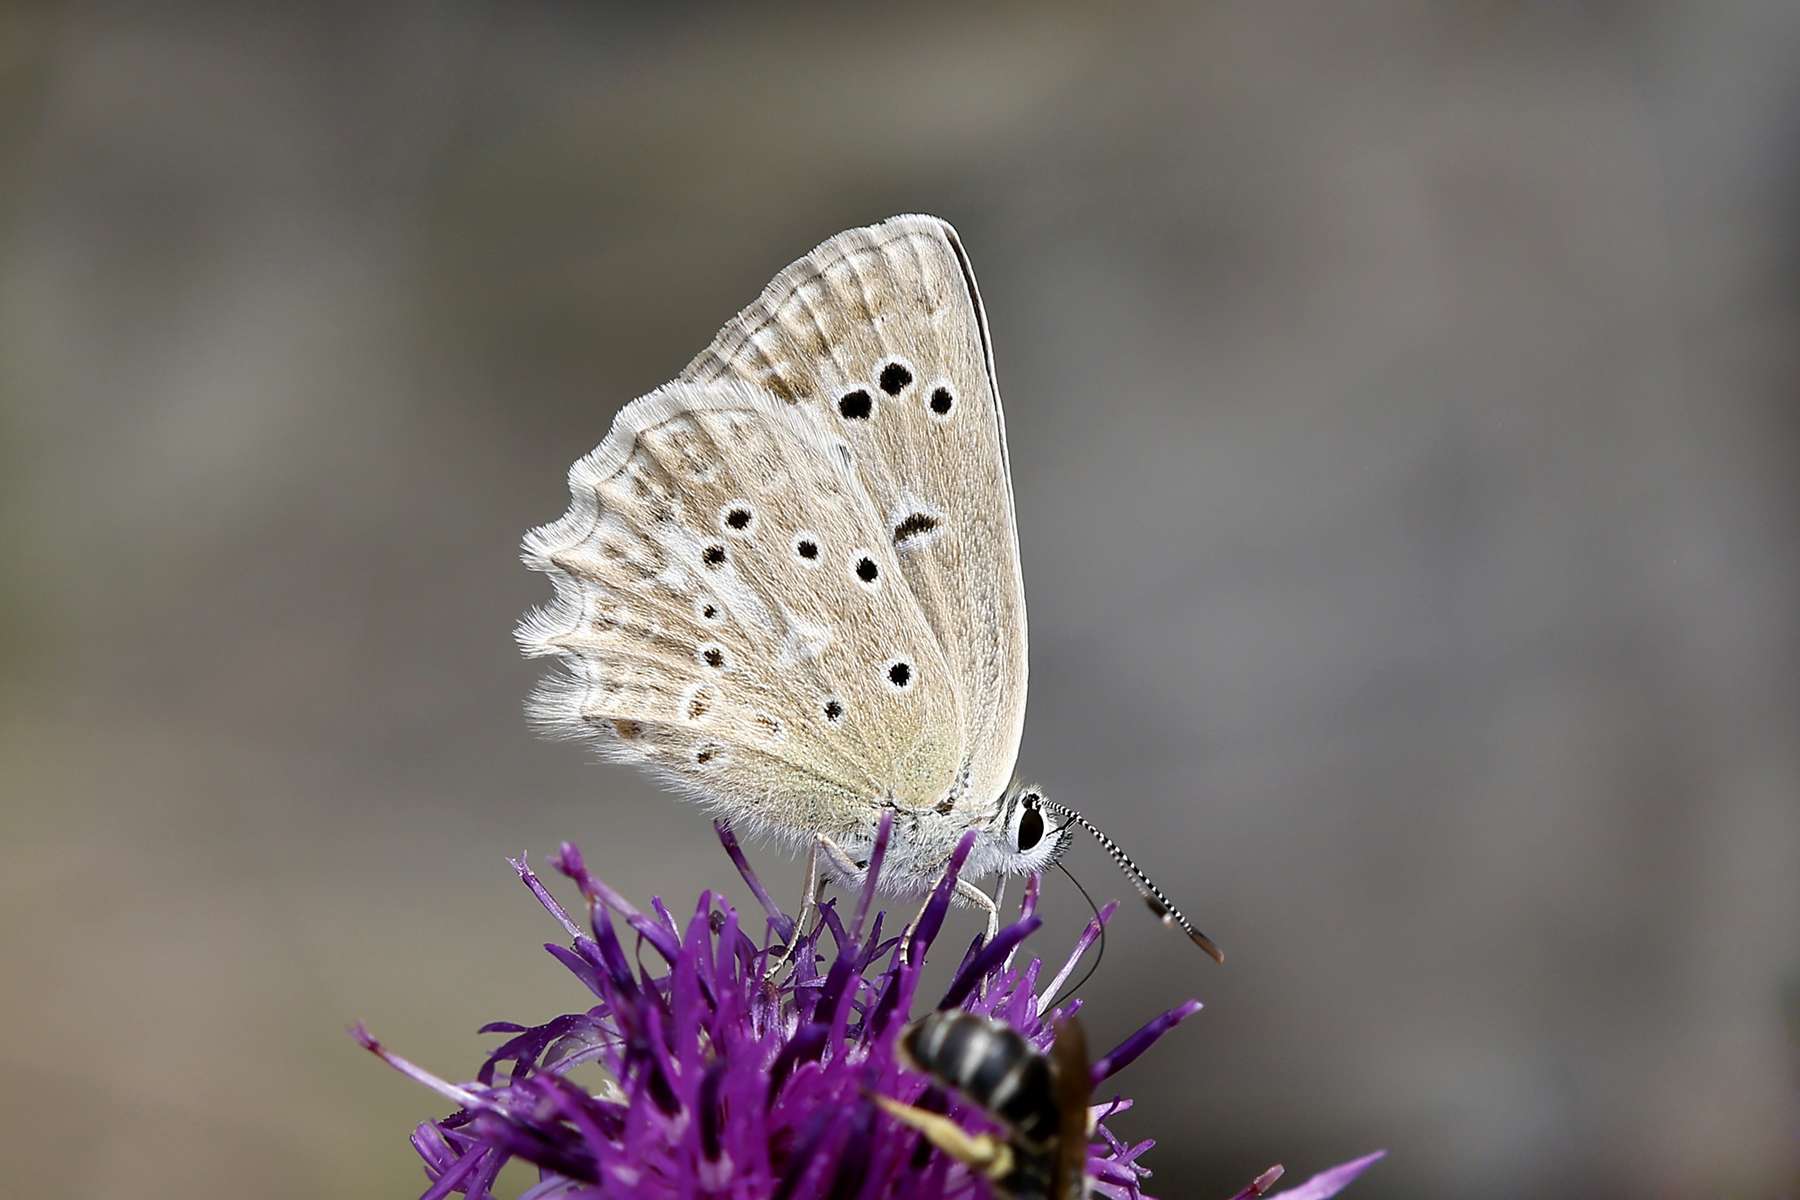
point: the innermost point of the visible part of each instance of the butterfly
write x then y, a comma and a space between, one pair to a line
788, 581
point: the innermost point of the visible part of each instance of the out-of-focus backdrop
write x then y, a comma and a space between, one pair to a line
1403, 405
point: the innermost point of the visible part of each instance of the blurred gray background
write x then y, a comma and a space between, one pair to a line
1403, 404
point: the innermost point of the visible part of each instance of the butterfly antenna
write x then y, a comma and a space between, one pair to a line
1159, 904
1100, 951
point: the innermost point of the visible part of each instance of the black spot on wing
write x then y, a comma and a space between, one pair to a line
913, 529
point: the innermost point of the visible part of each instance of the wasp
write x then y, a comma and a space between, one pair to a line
1041, 1099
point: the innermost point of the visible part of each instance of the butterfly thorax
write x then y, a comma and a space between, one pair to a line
1012, 837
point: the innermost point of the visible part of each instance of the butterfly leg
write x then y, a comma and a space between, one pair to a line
809, 907
839, 859
970, 894
809, 902
981, 900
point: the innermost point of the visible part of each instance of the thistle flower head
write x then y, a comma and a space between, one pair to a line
735, 1067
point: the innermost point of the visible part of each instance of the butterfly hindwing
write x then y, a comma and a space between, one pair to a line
733, 616
878, 338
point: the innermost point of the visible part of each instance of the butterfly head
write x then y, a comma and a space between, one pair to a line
1032, 833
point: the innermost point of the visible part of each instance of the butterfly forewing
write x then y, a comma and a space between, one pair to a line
877, 338
733, 616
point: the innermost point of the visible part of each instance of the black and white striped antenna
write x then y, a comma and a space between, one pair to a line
1165, 911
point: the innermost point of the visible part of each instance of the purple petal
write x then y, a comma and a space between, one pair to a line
658, 936
975, 944
834, 997
543, 895
711, 1113
580, 967
805, 1046
1034, 885
883, 832
537, 1143
894, 987
873, 947
434, 1148
554, 1187
1088, 936
820, 1124
1260, 1184
990, 959
663, 915
456, 1179
932, 919
1141, 1041
604, 950
784, 924
853, 1155
523, 1051
829, 919
462, 1096
568, 860
1330, 1183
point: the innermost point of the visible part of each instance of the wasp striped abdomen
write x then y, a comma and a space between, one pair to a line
992, 1064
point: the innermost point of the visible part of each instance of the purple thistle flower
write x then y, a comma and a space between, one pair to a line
747, 1071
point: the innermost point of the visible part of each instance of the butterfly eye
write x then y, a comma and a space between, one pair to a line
1031, 828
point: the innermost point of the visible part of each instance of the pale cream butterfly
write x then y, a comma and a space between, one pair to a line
788, 581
